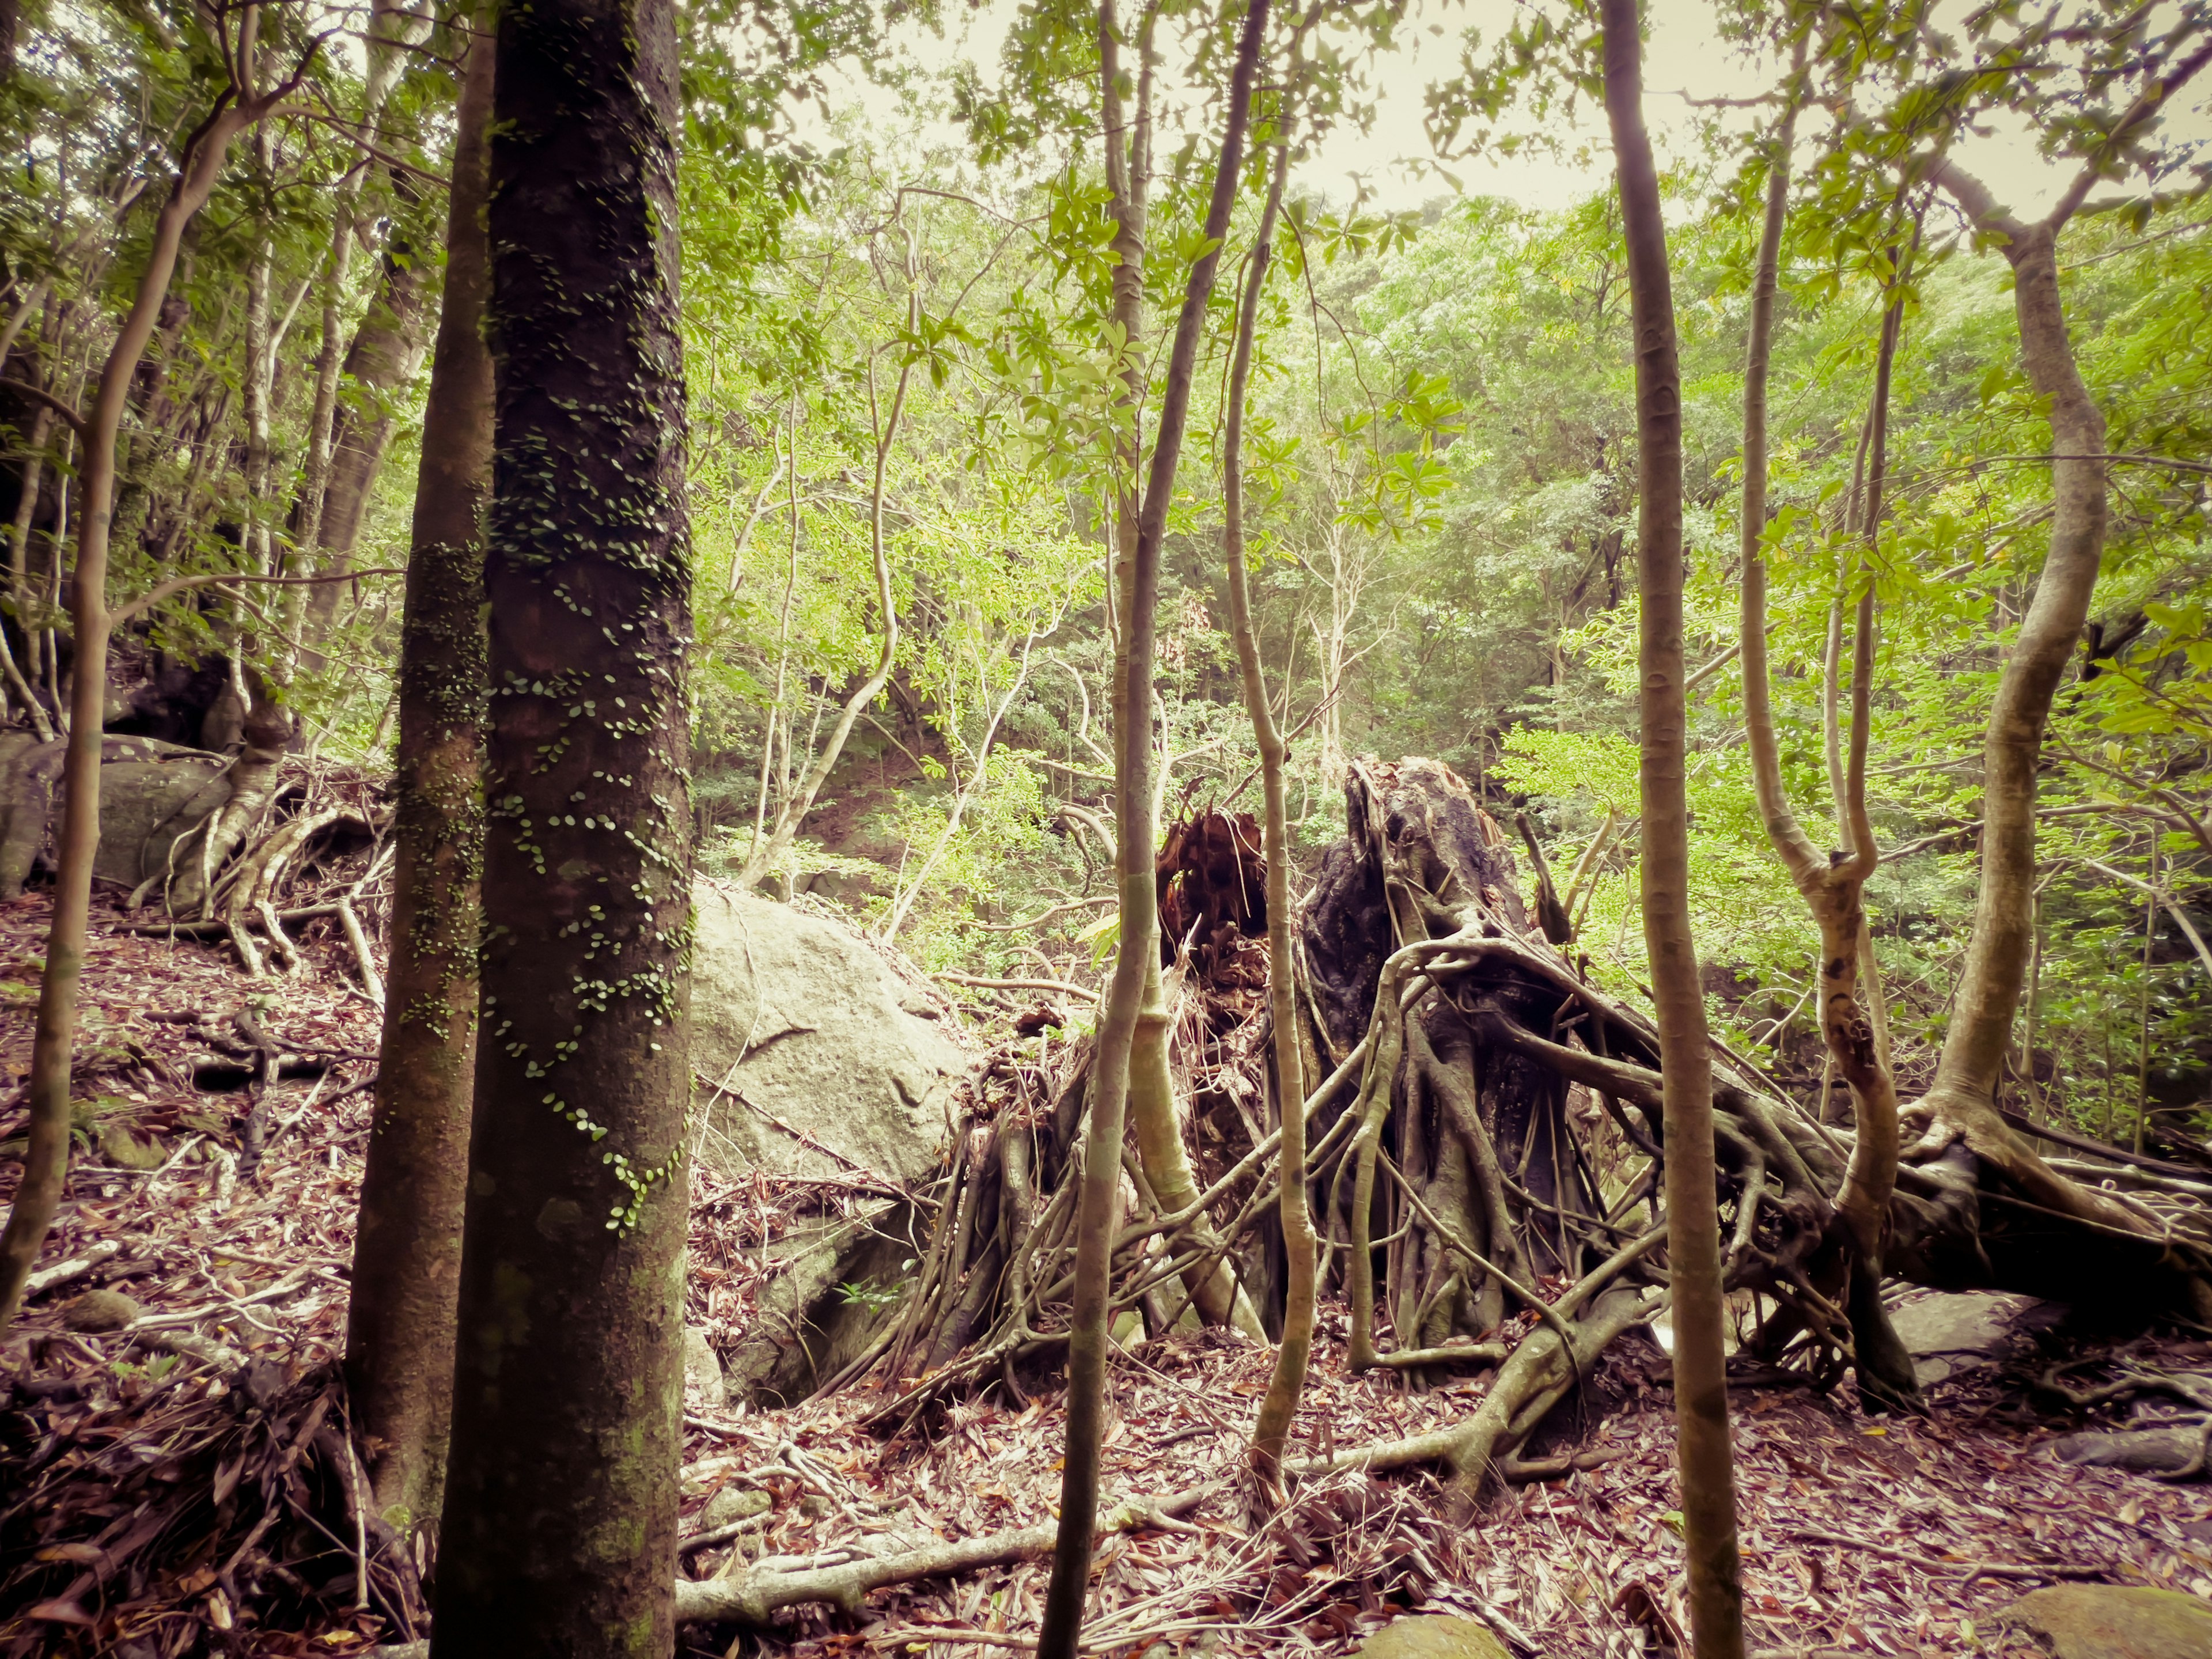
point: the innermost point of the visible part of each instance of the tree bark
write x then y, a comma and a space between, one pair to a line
1708, 1474
1833, 889
1279, 1406
1134, 834
560, 1502
385, 351
1961, 1103
46, 1159
407, 1251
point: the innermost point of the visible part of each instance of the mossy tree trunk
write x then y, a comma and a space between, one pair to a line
560, 1506
407, 1251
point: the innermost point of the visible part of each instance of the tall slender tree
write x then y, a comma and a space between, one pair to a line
236, 109
1279, 1406
559, 1526
407, 1250
1693, 1247
1137, 953
1832, 888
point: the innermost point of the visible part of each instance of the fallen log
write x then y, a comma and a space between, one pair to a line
754, 1595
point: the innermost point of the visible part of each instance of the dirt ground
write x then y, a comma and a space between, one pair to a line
1860, 1536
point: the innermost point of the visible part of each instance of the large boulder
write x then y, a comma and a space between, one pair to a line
836, 1280
816, 1055
150, 793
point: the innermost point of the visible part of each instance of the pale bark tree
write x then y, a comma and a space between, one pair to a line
1833, 888
1960, 1105
1279, 1406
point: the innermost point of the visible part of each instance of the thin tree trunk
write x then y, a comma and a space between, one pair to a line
1832, 888
19, 584
763, 855
386, 31
1708, 1474
407, 1252
1134, 832
46, 1159
1285, 1385
561, 1498
386, 352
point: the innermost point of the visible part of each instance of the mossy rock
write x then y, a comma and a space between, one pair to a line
124, 1150
1434, 1635
99, 1310
2106, 1621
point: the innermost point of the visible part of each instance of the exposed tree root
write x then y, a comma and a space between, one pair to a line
1484, 1166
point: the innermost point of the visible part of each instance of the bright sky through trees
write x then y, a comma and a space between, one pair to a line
1393, 161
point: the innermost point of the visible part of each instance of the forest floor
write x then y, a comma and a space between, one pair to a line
1899, 1535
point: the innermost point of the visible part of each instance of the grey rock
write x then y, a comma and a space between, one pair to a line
702, 1371
833, 1288
824, 1068
1947, 1335
2152, 1451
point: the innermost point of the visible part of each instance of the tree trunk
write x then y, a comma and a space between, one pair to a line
385, 351
1138, 950
1279, 1406
560, 1502
1832, 888
46, 1159
1960, 1105
407, 1252
386, 32
1693, 1238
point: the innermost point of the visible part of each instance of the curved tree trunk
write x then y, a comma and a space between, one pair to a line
561, 1498
1960, 1105
407, 1250
46, 1159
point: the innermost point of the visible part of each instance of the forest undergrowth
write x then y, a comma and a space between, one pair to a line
1899, 1535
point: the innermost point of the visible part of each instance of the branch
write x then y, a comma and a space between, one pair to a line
1974, 198
60, 406
752, 1597
2152, 98
117, 617
1057, 985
